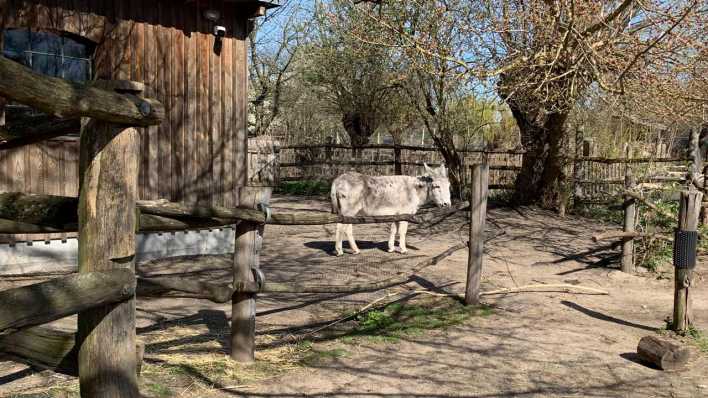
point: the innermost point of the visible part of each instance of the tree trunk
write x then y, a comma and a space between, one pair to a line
453, 162
359, 127
539, 181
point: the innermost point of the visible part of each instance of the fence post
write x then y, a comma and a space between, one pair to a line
685, 257
249, 238
398, 170
478, 213
630, 221
577, 164
109, 161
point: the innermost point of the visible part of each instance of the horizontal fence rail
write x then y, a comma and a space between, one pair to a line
45, 302
27, 213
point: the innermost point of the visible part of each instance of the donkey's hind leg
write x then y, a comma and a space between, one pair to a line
338, 239
352, 241
402, 230
392, 239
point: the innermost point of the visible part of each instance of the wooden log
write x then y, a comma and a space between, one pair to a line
68, 100
249, 238
165, 286
58, 298
45, 210
630, 221
663, 353
31, 213
478, 214
628, 235
109, 160
45, 348
27, 135
689, 209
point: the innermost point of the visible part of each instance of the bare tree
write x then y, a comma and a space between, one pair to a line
273, 53
362, 82
541, 56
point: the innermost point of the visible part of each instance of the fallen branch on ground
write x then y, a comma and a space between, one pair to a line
524, 289
633, 234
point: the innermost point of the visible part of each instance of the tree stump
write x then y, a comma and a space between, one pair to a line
662, 353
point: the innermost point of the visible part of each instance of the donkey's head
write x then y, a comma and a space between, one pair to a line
439, 185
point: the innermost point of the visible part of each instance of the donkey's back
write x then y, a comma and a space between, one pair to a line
358, 194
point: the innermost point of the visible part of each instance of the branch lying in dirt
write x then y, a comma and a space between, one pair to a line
524, 289
633, 234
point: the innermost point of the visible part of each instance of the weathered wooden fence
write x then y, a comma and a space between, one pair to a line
592, 179
326, 162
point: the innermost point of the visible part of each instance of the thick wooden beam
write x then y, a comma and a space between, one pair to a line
108, 170
168, 286
49, 211
44, 302
45, 348
478, 215
30, 213
16, 137
67, 100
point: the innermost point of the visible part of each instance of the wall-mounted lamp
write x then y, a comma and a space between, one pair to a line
219, 31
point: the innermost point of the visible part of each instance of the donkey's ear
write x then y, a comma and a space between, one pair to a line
428, 170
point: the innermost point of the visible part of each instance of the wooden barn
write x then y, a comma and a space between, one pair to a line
190, 55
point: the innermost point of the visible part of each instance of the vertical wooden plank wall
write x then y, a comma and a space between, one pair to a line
199, 153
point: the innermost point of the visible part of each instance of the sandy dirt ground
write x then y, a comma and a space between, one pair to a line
550, 343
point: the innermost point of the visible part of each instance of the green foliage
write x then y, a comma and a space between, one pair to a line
398, 320
303, 188
699, 337
651, 253
158, 390
316, 357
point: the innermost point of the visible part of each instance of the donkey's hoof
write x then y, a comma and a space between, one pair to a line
391, 249
404, 251
356, 251
338, 253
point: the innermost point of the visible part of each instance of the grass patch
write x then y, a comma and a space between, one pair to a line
699, 338
399, 320
158, 390
317, 357
303, 188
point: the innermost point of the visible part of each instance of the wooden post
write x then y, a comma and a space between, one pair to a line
689, 207
478, 214
577, 165
630, 221
398, 170
249, 238
108, 170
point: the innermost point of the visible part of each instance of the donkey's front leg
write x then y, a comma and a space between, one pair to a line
402, 230
338, 240
392, 239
